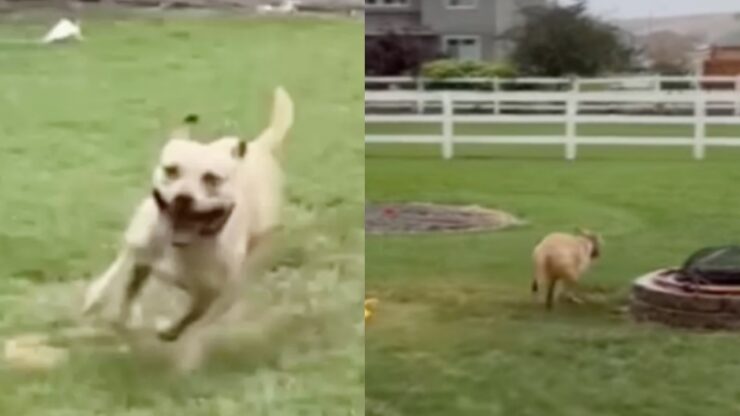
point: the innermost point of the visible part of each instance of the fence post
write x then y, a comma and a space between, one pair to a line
496, 85
571, 112
700, 127
448, 113
420, 89
737, 91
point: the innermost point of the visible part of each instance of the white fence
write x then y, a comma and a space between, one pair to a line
569, 109
612, 84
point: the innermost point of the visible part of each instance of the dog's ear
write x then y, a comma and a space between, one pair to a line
597, 243
191, 119
183, 132
240, 150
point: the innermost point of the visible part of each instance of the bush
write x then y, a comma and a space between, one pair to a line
392, 54
446, 69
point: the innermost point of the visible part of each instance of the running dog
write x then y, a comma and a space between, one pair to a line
211, 206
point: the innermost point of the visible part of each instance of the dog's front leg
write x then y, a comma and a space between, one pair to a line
101, 286
200, 301
138, 250
208, 302
123, 271
572, 292
137, 278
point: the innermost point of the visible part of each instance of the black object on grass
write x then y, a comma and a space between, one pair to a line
712, 265
191, 119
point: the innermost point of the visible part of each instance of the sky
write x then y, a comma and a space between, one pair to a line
645, 8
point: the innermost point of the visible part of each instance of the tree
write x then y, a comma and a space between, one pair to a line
393, 54
669, 53
559, 40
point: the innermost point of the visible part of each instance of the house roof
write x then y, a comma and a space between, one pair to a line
731, 39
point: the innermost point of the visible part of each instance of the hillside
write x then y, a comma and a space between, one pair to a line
708, 27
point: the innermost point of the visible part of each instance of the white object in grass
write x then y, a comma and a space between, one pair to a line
287, 6
65, 29
31, 352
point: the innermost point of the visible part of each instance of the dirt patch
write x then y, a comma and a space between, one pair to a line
417, 218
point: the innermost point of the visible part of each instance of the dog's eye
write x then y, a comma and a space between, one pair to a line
171, 171
211, 179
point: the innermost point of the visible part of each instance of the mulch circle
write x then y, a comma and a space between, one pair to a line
417, 218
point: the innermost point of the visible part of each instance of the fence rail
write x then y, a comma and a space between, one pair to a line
695, 108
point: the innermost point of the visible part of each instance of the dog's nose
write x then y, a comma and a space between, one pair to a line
182, 202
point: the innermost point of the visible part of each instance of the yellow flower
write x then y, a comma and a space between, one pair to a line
370, 305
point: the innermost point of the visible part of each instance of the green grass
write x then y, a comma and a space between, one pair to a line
457, 332
82, 126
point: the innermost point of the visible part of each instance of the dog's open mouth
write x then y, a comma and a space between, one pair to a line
189, 224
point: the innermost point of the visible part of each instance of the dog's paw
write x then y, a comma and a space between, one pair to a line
169, 334
162, 323
90, 305
575, 300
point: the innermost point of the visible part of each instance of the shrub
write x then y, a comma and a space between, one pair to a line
392, 54
446, 69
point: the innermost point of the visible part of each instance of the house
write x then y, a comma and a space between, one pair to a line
724, 56
459, 29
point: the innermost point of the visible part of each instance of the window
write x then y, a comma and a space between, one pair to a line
386, 3
462, 4
462, 48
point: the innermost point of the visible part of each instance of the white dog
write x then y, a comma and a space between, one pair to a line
211, 205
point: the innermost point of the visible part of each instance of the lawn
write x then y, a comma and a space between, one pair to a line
457, 331
82, 127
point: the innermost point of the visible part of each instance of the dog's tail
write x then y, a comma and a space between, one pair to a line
539, 274
280, 123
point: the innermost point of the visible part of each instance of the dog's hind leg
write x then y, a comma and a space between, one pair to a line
550, 295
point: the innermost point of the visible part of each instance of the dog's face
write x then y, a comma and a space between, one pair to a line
194, 186
597, 242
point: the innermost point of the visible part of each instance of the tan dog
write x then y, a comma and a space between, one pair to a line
211, 205
563, 258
